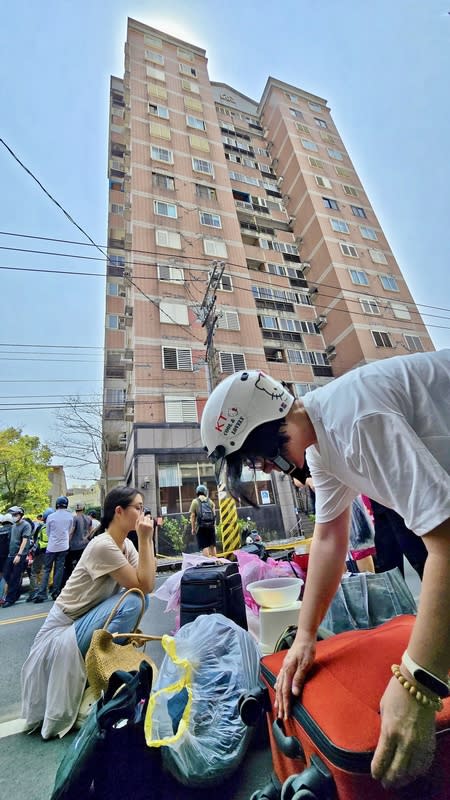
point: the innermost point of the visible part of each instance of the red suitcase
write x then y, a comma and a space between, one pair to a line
333, 731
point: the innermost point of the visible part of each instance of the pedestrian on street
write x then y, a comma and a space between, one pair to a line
59, 525
203, 521
6, 520
382, 430
78, 539
39, 549
54, 675
19, 545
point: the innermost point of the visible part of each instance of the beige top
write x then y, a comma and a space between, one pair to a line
91, 581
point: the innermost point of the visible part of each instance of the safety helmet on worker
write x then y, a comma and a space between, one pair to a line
62, 502
201, 489
47, 513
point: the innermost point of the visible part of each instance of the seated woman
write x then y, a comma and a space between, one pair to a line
54, 676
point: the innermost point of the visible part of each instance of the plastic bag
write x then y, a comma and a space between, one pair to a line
251, 569
367, 599
193, 709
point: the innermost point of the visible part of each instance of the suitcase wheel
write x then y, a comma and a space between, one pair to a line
314, 783
271, 791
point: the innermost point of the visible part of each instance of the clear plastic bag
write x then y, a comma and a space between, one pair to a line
251, 569
193, 709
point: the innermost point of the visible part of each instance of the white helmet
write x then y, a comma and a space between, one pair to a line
237, 406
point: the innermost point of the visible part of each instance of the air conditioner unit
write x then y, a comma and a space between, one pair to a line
280, 180
330, 350
321, 321
274, 163
122, 439
313, 291
265, 132
291, 220
286, 198
305, 265
122, 292
269, 145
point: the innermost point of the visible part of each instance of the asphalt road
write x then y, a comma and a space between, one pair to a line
28, 764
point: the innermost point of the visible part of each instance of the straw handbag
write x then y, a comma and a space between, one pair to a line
105, 655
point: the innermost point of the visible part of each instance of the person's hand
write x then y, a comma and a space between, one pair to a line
144, 526
297, 663
407, 740
16, 559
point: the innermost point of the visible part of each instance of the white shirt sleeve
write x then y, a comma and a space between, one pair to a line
332, 496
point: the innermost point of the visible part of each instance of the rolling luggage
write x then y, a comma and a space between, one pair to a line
323, 751
212, 589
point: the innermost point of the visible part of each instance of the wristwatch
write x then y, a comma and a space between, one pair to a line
426, 678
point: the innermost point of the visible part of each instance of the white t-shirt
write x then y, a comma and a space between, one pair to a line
91, 581
59, 524
383, 430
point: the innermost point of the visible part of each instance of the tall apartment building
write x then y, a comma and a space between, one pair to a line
204, 180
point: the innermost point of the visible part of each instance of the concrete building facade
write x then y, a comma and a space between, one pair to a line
260, 197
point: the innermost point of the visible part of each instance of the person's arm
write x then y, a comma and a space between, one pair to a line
193, 518
142, 576
26, 535
326, 561
406, 745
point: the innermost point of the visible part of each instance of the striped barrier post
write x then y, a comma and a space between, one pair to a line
229, 521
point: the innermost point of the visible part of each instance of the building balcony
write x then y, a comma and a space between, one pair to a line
322, 372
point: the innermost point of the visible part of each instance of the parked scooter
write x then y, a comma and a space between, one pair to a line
252, 541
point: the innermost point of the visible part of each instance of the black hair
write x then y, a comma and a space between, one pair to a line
266, 441
119, 496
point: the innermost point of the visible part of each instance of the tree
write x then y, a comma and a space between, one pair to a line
80, 441
24, 468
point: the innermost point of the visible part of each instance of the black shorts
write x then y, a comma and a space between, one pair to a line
206, 537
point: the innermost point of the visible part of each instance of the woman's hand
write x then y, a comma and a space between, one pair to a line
407, 740
297, 663
144, 527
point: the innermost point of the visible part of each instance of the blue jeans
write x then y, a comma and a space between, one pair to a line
58, 560
124, 620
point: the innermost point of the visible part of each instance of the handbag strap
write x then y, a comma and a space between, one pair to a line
139, 637
119, 603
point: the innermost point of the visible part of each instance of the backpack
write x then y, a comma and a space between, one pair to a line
40, 540
205, 514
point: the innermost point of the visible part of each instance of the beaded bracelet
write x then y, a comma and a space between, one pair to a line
421, 697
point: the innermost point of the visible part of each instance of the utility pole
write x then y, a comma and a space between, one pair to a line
209, 321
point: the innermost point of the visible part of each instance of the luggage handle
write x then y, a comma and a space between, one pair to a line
289, 745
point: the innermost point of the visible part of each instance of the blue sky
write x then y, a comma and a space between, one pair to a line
383, 66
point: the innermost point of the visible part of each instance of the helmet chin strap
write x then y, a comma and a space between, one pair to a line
300, 473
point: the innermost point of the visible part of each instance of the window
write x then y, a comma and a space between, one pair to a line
165, 209
389, 283
339, 225
228, 320
161, 131
163, 181
171, 274
225, 284
315, 106
116, 208
378, 256
294, 98
201, 165
161, 154
369, 305
324, 183
168, 239
303, 128
350, 190
268, 323
414, 343
304, 388
368, 233
306, 357
309, 145
320, 122
330, 203
357, 211
188, 86
335, 154
231, 362
198, 143
215, 247
176, 358
157, 58
156, 74
116, 261
180, 409
193, 103
316, 162
112, 321
348, 250
115, 397
343, 172
112, 289
296, 113
173, 313
153, 41
213, 220
359, 277
195, 122
185, 69
381, 339
158, 111
157, 91
206, 192
400, 310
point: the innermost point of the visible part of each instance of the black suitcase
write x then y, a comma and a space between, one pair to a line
212, 589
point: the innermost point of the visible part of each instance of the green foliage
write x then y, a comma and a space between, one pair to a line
174, 530
24, 467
